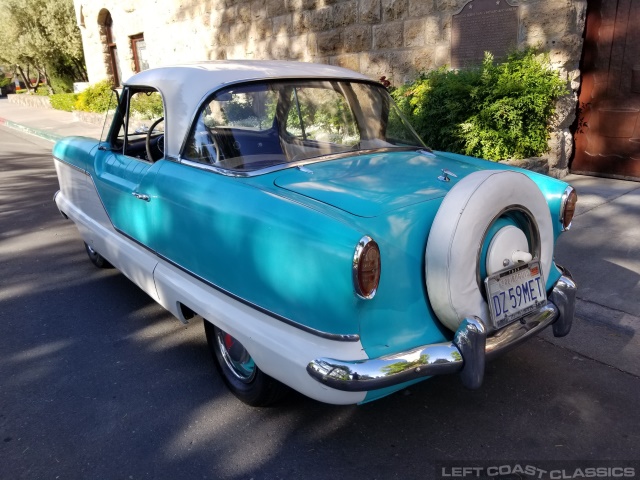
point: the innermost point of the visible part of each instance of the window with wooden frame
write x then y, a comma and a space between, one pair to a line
139, 49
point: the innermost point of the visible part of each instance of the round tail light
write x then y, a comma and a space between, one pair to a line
366, 268
569, 200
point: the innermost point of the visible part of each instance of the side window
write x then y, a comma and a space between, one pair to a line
322, 115
143, 117
246, 109
201, 146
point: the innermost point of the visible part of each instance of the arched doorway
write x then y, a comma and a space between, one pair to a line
110, 49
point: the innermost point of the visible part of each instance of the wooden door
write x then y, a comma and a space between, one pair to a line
607, 137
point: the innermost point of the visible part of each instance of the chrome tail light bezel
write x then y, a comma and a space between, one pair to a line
568, 194
365, 245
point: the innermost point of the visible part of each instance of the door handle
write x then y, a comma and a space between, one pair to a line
141, 196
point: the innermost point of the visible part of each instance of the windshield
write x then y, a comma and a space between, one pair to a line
259, 125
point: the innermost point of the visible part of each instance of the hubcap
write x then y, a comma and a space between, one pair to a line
514, 216
236, 357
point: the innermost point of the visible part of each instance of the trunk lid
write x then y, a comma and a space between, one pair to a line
371, 185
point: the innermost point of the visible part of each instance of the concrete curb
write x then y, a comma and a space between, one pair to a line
52, 137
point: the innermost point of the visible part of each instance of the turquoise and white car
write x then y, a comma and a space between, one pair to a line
327, 248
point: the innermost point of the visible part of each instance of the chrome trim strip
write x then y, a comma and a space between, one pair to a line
357, 254
286, 165
211, 168
563, 205
466, 354
75, 167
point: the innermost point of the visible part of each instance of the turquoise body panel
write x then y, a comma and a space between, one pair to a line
371, 185
284, 241
273, 252
77, 151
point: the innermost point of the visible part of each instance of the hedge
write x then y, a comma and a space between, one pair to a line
496, 111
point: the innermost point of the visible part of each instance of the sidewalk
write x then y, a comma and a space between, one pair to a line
602, 250
49, 124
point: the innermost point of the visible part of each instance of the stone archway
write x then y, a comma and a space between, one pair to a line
109, 47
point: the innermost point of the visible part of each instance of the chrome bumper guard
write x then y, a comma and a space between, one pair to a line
466, 354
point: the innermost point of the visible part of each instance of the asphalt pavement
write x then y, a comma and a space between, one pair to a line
98, 381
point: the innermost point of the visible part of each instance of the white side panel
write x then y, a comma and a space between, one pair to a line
280, 350
95, 227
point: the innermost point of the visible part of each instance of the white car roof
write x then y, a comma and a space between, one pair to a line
184, 87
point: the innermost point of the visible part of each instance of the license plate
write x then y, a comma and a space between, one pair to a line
514, 292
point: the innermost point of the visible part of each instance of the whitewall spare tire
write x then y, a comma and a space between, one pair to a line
459, 231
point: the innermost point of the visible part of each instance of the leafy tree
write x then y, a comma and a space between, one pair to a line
4, 80
41, 36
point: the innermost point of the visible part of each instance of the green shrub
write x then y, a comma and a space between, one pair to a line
95, 98
437, 103
4, 81
495, 111
61, 85
64, 101
148, 105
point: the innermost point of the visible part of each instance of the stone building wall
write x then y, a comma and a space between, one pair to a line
395, 38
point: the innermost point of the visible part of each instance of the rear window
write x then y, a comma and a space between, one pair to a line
259, 125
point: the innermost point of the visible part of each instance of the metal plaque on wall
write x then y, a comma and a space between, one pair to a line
483, 25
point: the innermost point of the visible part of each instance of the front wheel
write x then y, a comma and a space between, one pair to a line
97, 259
239, 372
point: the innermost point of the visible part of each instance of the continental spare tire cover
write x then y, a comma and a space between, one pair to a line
457, 236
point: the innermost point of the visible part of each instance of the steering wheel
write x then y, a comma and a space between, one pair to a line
159, 140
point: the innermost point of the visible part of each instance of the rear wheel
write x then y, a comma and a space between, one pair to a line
239, 372
97, 259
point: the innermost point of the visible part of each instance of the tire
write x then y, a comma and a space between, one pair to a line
97, 259
461, 228
243, 377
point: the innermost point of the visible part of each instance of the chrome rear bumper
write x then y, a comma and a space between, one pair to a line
466, 354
